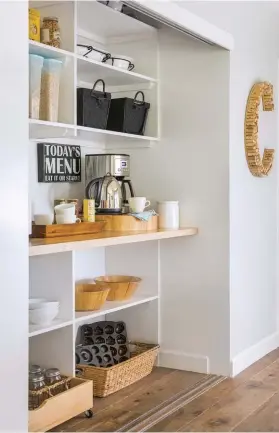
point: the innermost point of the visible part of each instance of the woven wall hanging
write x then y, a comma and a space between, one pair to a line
259, 166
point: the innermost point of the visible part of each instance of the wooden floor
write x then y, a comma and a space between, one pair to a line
247, 403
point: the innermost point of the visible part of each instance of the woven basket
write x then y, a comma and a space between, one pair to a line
36, 398
109, 380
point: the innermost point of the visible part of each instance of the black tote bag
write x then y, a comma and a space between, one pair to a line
128, 115
93, 107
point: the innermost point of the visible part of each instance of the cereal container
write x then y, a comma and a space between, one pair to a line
50, 90
34, 25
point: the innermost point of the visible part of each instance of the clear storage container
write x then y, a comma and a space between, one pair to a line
51, 32
35, 73
50, 90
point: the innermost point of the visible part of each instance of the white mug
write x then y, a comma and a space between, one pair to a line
62, 219
43, 219
138, 204
65, 209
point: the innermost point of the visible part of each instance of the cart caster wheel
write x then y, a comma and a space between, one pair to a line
88, 413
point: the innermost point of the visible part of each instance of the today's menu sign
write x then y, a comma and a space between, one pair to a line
59, 163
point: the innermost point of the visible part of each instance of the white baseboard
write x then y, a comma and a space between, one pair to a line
254, 353
184, 361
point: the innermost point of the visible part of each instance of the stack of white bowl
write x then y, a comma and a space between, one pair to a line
42, 312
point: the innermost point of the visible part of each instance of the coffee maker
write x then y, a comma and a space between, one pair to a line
106, 181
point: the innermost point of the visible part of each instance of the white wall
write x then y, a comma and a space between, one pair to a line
14, 216
253, 218
191, 164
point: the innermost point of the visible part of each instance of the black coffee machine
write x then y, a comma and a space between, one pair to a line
117, 165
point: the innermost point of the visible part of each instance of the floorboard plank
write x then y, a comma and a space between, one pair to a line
197, 407
264, 419
132, 406
239, 403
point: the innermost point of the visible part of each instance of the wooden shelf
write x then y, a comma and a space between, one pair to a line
104, 239
87, 69
56, 324
113, 306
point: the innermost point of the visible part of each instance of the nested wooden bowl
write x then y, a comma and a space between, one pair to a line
90, 297
122, 287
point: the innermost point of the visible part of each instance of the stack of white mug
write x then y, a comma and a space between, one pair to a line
66, 214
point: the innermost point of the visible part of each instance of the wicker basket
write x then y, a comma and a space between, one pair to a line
36, 398
109, 380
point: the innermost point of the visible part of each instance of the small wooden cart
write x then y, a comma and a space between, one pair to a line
61, 407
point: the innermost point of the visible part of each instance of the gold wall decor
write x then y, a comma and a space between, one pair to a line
258, 166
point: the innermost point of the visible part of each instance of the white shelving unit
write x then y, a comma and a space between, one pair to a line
47, 51
56, 324
63, 264
113, 307
79, 71
168, 261
113, 76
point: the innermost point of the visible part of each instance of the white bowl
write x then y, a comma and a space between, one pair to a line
35, 301
45, 305
42, 317
122, 62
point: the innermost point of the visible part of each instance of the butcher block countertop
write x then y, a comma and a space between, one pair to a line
103, 239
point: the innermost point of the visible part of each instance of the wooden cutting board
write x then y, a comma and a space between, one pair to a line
59, 230
119, 223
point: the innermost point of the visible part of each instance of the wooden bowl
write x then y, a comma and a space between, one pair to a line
122, 287
90, 297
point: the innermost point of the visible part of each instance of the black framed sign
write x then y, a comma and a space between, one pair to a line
58, 163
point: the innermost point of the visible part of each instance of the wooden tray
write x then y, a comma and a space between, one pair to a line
58, 230
119, 223
60, 408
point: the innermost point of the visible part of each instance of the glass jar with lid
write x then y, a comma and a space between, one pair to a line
38, 392
50, 32
55, 381
35, 369
52, 375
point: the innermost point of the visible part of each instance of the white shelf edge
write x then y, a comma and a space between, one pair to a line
56, 324
51, 124
120, 306
59, 52
39, 47
45, 246
114, 68
115, 133
46, 123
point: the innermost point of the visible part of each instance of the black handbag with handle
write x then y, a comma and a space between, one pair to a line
93, 107
128, 115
